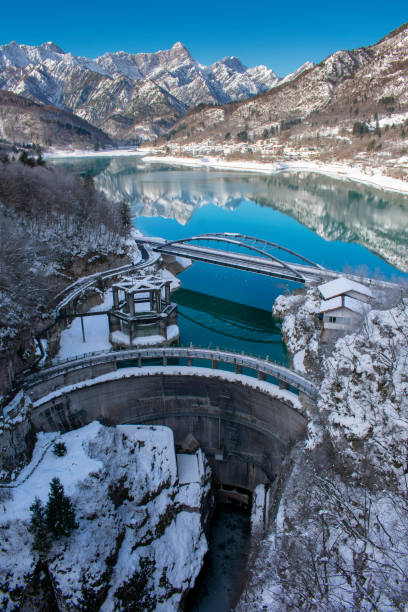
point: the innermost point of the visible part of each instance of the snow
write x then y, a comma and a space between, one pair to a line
143, 281
159, 436
335, 169
150, 518
395, 119
175, 282
299, 329
119, 337
189, 467
259, 510
341, 285
62, 153
331, 304
73, 467
14, 405
273, 390
354, 508
96, 333
298, 361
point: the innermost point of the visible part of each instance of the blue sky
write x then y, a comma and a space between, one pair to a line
281, 35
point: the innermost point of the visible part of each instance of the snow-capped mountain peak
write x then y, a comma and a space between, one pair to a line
128, 95
51, 46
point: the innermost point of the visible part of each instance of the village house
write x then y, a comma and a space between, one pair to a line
344, 303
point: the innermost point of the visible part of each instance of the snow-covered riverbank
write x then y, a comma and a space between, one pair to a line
334, 170
359, 173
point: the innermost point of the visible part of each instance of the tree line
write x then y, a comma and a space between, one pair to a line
48, 220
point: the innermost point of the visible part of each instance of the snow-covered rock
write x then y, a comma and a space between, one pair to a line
126, 95
139, 543
364, 396
339, 540
300, 328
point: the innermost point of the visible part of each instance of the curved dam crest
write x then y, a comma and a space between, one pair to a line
245, 426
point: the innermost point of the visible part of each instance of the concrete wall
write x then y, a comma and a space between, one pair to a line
244, 431
16, 445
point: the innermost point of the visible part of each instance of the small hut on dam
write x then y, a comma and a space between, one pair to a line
142, 312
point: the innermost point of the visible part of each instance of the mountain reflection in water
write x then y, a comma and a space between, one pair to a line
337, 210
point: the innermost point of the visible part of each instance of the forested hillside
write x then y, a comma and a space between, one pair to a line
53, 226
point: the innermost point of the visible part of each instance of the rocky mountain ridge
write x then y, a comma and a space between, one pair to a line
23, 121
342, 107
130, 97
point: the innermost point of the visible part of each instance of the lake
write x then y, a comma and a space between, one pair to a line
340, 224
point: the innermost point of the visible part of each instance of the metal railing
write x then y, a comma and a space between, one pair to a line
256, 364
68, 294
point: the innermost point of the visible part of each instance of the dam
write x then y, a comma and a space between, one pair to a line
245, 413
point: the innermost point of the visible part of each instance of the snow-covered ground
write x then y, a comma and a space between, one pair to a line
354, 172
139, 541
121, 339
62, 153
299, 329
336, 170
96, 329
96, 333
340, 536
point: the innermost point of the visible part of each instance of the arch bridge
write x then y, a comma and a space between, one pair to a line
255, 255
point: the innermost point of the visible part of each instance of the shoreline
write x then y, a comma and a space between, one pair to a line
335, 170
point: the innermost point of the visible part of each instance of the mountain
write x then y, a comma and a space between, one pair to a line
130, 97
23, 121
337, 101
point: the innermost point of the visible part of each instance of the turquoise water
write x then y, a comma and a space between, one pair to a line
339, 224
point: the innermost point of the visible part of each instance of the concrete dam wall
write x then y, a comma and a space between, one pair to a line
245, 428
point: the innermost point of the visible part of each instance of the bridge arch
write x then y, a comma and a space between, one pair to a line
246, 241
257, 245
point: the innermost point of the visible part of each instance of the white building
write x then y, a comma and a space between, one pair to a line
344, 303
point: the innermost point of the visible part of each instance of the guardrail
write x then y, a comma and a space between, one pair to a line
262, 367
68, 294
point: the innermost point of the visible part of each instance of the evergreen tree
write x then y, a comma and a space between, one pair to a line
38, 526
26, 160
59, 513
59, 449
23, 157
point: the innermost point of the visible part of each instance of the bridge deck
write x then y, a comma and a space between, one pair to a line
258, 265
